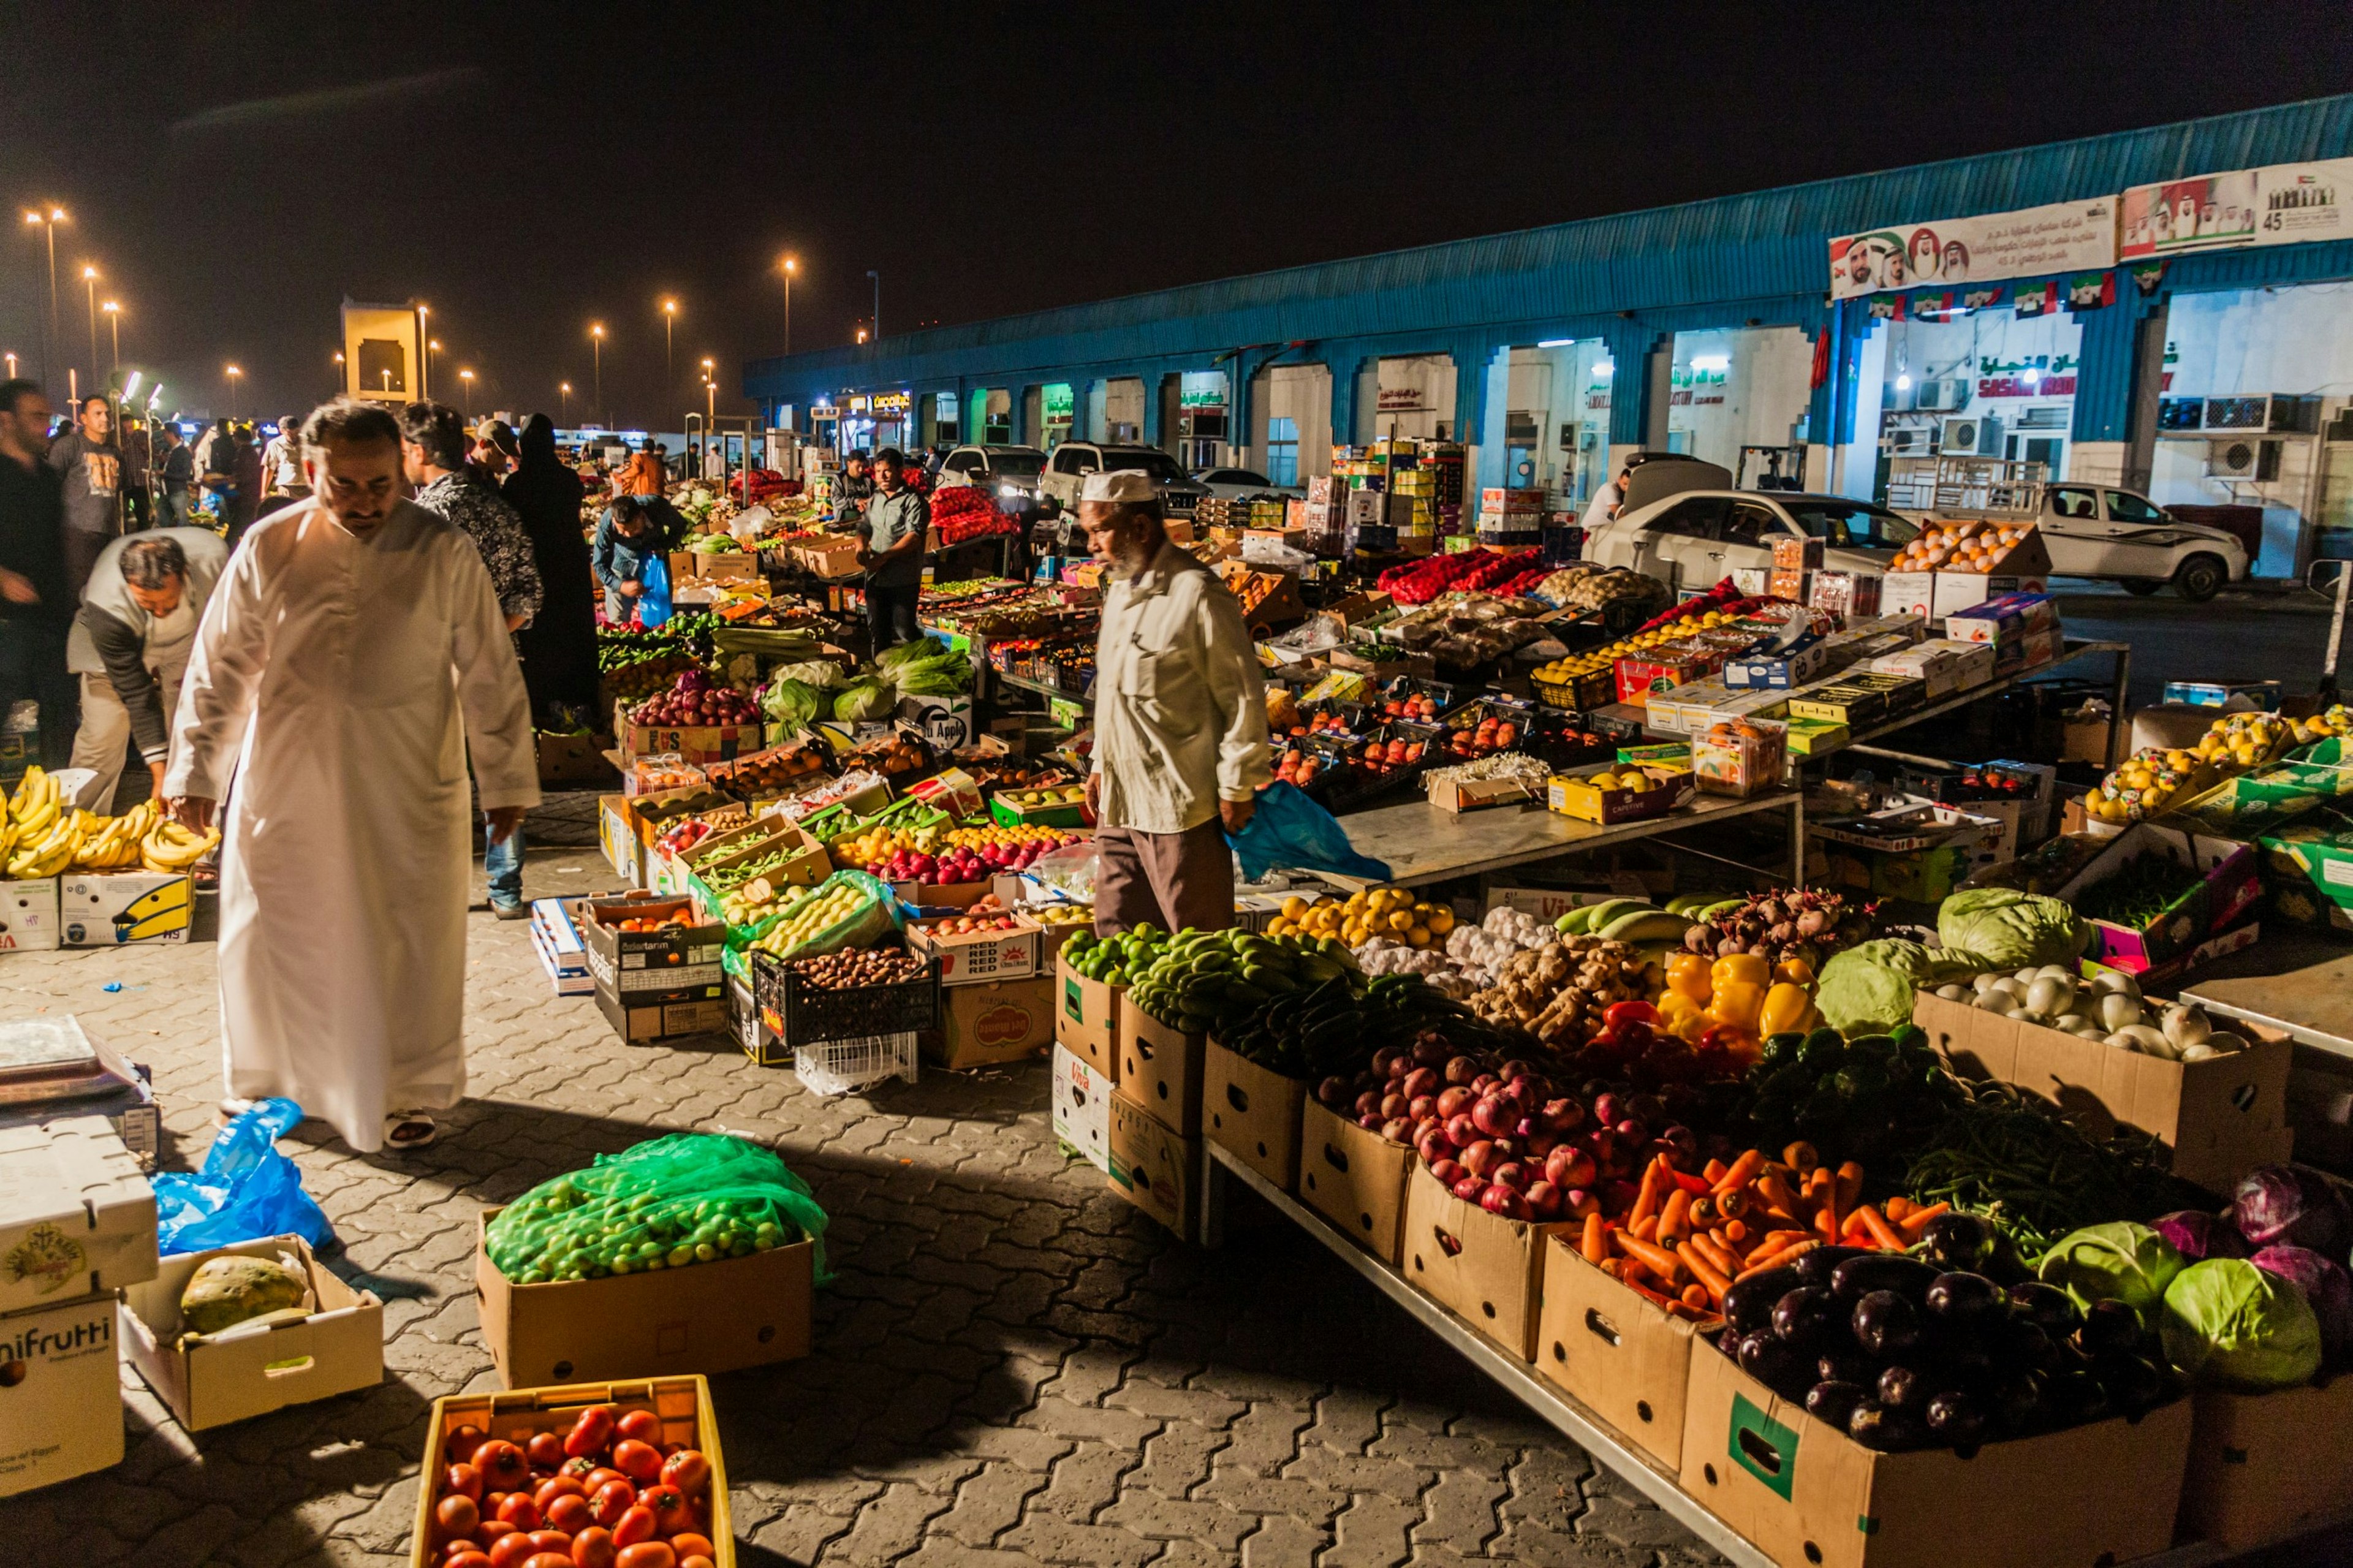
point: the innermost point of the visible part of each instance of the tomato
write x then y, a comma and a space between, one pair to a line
494, 1531
548, 1560
638, 1461
593, 1548
457, 1516
688, 1543
591, 1432
671, 1512
642, 1426
545, 1451
504, 1469
634, 1526
611, 1501
460, 1446
519, 1510
556, 1541
511, 1551
697, 1560
555, 1487
650, 1554
595, 1479
688, 1470
568, 1512
467, 1560
463, 1478
579, 1468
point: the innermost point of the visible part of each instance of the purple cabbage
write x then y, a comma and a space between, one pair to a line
2327, 1286
2199, 1236
2280, 1206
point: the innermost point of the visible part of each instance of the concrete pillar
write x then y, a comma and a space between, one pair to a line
1345, 364
2148, 388
1630, 343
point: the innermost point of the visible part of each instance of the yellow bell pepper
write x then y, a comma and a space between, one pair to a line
1677, 1011
1788, 1008
1740, 969
1796, 971
1687, 977
1737, 1005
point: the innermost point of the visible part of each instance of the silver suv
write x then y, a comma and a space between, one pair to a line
1072, 462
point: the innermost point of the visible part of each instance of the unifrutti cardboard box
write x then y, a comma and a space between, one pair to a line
1253, 1113
60, 1393
1356, 1178
1486, 1270
1080, 1101
77, 1218
28, 915
1805, 1493
1153, 1168
992, 1022
250, 1369
704, 1318
2260, 1468
1615, 1349
117, 907
1161, 1069
1086, 1017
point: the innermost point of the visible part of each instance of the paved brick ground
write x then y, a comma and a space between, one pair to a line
1013, 1367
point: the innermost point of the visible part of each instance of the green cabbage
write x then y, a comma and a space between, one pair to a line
2233, 1325
1868, 989
862, 699
821, 673
793, 703
2010, 929
890, 661
2119, 1261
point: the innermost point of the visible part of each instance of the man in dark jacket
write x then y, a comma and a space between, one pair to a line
35, 602
626, 540
90, 464
129, 646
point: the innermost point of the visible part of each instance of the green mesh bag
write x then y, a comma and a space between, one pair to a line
668, 1202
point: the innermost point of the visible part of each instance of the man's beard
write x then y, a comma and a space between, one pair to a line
1132, 560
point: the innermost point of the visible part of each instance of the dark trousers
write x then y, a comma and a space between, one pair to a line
32, 665
890, 614
1173, 879
82, 550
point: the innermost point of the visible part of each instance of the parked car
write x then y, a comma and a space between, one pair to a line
1693, 539
1241, 484
1072, 462
2122, 536
1001, 466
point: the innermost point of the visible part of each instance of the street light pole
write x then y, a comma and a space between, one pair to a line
232, 373
466, 395
596, 342
564, 390
90, 281
710, 412
878, 302
425, 357
114, 310
670, 319
790, 267
340, 377
50, 221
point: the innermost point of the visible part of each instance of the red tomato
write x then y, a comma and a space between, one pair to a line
648, 1554
457, 1516
638, 1461
591, 1432
643, 1425
579, 1468
671, 1512
463, 1478
556, 1541
595, 1479
569, 1513
460, 1446
611, 1501
467, 1560
520, 1512
688, 1470
545, 1451
494, 1531
593, 1548
511, 1551
697, 1560
688, 1543
548, 1560
634, 1526
555, 1487
503, 1466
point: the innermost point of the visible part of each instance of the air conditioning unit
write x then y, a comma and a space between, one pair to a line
1908, 440
2245, 459
2180, 416
1944, 396
1972, 436
2272, 414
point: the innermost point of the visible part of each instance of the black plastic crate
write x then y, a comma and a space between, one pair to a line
794, 1013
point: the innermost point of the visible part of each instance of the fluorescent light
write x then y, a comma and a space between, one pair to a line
1903, 384
1556, 343
1605, 369
1711, 362
2033, 375
131, 387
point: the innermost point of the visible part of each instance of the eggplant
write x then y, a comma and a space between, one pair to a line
1844, 1363
2021, 1403
1748, 1305
1958, 1243
1966, 1300
2077, 1399
1834, 1401
1772, 1361
1956, 1418
1889, 1271
2110, 1328
2047, 1305
1903, 1387
1875, 1426
1886, 1325
2134, 1383
1815, 1268
1807, 1319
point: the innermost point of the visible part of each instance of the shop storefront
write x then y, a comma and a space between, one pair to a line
1738, 398
1200, 425
992, 416
867, 423
1549, 404
1115, 410
1410, 396
944, 426
1996, 381
1058, 406
1290, 423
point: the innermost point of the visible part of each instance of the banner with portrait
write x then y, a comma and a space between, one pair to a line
2282, 204
2065, 236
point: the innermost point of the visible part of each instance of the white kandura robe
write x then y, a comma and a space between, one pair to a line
341, 680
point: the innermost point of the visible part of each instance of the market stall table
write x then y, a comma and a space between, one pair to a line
2297, 981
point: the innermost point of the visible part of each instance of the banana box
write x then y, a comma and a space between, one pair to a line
110, 910
28, 915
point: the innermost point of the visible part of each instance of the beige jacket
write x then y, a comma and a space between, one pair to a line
1180, 709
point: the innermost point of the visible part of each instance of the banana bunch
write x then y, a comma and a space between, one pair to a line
33, 810
47, 852
112, 843
168, 847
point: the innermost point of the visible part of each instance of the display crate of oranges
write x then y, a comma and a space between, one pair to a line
1588, 678
1391, 912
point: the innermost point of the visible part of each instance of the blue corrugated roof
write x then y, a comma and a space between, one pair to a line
1764, 246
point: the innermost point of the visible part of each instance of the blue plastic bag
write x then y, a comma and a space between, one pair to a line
1289, 829
653, 605
246, 1189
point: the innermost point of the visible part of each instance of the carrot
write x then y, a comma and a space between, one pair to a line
1735, 1233
1595, 1243
1614, 1266
1646, 1230
1882, 1232
1657, 1259
1915, 1224
1760, 1260
1744, 1170
1719, 1258
1734, 1203
1832, 1205
1696, 1298
1776, 1192
1702, 1269
1800, 1156
1646, 1196
1850, 1186
1714, 1171
1703, 1212
1896, 1207
1852, 1234
1674, 1220
1693, 1185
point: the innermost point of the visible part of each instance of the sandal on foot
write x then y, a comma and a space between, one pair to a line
409, 1130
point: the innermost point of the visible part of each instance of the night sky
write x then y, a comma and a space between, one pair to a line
234, 171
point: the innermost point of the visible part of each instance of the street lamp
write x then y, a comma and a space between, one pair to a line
790, 266
709, 407
11, 367
232, 372
564, 390
596, 339
339, 375
114, 310
670, 319
424, 371
878, 302
90, 281
465, 399
48, 218
432, 347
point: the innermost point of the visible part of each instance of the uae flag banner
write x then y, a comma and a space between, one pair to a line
2032, 299
2091, 290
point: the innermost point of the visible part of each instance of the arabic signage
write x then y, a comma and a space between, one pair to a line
1060, 403
1201, 389
889, 405
2284, 204
2065, 236
1404, 400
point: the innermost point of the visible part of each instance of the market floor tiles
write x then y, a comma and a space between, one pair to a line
1012, 1365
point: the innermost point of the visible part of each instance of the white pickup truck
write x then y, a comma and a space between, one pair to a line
2091, 531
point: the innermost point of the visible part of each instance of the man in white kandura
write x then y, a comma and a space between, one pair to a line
352, 656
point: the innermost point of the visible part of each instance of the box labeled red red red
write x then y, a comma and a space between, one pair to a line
1664, 667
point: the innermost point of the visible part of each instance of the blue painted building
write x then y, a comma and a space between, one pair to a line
1707, 327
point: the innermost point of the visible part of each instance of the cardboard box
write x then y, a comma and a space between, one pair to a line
28, 915
1153, 1168
1942, 666
111, 910
570, 760
806, 863
238, 1373
76, 1216
1959, 590
704, 1318
1749, 760
1160, 1068
2229, 885
2260, 1468
2221, 1117
1460, 795
2007, 619
1615, 1349
676, 958
1086, 1017
682, 1404
1909, 593
991, 1021
659, 1017
992, 955
1080, 1101
1805, 1493
1356, 1179
1253, 1113
721, 567
616, 835
1778, 671
1486, 1270
1571, 795
63, 1413
555, 938
694, 744
830, 558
